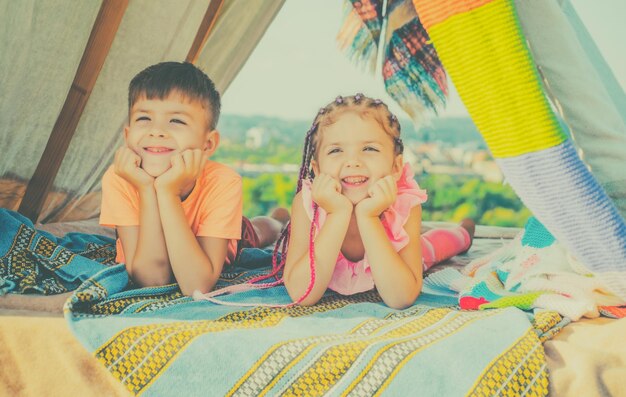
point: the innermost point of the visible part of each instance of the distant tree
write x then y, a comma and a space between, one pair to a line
453, 198
266, 192
465, 210
505, 217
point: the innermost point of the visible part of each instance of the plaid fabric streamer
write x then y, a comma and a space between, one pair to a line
412, 72
360, 32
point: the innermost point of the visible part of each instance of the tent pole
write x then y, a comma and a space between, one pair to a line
97, 48
210, 17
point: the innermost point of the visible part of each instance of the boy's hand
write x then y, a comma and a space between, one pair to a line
127, 164
186, 168
381, 195
326, 192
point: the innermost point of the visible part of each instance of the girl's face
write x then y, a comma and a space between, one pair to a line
357, 152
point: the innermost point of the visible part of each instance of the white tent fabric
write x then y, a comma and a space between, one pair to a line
41, 45
234, 38
45, 42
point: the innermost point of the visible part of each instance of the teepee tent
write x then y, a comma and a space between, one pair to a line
550, 110
64, 78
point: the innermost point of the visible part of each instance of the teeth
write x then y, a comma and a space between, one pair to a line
157, 150
355, 179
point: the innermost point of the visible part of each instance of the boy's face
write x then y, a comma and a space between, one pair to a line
158, 129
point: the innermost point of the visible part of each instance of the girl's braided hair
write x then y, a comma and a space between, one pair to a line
364, 107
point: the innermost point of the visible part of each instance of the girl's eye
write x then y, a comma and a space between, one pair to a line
370, 149
335, 150
177, 121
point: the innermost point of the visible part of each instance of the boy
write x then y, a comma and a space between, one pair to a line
178, 215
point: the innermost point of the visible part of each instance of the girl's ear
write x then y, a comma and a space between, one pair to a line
211, 142
398, 164
315, 166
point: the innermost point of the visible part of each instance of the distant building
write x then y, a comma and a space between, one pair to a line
438, 158
485, 166
257, 137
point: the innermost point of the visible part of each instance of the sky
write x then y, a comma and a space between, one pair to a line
297, 67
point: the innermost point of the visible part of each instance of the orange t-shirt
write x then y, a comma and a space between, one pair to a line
213, 208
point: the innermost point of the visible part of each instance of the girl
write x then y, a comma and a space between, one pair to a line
356, 216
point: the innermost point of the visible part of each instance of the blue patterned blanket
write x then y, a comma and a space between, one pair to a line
158, 342
33, 261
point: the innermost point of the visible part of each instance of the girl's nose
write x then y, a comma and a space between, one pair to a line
158, 132
353, 163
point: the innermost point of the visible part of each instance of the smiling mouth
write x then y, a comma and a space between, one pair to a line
158, 150
354, 180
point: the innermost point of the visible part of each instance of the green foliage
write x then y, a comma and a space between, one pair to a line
268, 191
505, 217
454, 198
450, 199
274, 153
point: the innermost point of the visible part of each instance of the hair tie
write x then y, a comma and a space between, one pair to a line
358, 97
399, 143
339, 100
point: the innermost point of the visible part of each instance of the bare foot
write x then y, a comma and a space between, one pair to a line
281, 214
469, 225
268, 228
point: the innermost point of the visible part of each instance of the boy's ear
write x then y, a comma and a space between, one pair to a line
316, 167
398, 164
211, 142
126, 128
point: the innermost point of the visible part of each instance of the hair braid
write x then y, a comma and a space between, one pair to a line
374, 108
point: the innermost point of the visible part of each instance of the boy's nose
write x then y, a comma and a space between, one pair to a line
158, 132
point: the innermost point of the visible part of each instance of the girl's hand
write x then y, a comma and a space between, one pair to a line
326, 192
381, 195
186, 168
127, 164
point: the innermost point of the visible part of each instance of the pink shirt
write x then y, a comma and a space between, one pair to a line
354, 277
213, 208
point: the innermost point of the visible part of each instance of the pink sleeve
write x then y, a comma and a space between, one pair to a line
221, 209
120, 202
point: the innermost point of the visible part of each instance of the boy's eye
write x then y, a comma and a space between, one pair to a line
142, 118
178, 121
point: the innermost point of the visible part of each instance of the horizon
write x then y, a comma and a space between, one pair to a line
312, 69
403, 117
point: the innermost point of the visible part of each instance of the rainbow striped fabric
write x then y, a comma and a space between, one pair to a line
482, 47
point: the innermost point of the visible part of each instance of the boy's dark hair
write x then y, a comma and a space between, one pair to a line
158, 81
